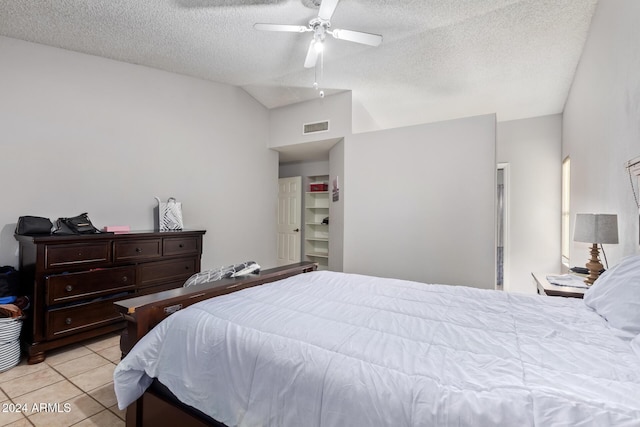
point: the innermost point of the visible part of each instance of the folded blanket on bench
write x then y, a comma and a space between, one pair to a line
248, 267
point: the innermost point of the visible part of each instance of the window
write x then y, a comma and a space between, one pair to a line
566, 213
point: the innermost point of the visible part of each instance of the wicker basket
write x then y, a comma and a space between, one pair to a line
9, 342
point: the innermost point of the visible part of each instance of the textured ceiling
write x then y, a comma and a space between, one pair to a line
440, 59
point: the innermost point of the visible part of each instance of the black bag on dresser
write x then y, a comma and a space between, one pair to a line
31, 225
80, 224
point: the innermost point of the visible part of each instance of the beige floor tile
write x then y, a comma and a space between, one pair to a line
113, 354
20, 370
79, 408
82, 364
105, 395
105, 418
65, 354
13, 413
122, 414
22, 422
3, 396
51, 394
100, 343
93, 379
30, 382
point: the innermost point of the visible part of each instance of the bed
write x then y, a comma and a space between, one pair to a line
335, 349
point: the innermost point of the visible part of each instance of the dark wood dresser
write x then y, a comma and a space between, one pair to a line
73, 281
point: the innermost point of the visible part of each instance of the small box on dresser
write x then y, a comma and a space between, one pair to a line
73, 280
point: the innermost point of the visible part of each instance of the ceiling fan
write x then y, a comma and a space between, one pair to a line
321, 26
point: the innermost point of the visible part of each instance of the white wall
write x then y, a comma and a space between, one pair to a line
285, 123
304, 168
532, 148
336, 208
420, 202
601, 128
81, 133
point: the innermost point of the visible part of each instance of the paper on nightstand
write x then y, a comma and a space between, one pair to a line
567, 280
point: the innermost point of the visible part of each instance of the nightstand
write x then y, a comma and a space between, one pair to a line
546, 288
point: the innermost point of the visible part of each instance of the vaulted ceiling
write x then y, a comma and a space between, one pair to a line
439, 59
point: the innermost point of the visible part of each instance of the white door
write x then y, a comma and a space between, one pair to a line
289, 219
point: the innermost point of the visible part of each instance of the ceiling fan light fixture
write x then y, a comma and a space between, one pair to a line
321, 26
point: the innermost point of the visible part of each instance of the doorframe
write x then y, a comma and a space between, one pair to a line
506, 175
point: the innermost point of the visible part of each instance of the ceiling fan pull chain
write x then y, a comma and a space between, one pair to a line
315, 78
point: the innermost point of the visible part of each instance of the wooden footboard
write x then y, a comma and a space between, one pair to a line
160, 408
144, 312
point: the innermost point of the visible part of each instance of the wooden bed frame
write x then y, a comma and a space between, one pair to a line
157, 406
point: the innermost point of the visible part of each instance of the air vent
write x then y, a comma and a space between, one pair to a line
308, 128
634, 166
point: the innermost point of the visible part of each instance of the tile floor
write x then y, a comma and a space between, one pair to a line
72, 387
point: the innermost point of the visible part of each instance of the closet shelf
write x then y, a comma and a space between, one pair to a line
316, 210
318, 254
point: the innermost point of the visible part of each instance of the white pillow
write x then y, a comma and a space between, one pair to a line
615, 295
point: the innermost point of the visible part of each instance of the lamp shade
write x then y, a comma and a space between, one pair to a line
596, 228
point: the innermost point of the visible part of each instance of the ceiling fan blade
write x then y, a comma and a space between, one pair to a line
327, 7
357, 36
282, 27
224, 3
312, 56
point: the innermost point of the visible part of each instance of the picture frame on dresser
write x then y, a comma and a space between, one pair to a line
73, 280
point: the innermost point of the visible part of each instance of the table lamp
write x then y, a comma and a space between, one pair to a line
595, 229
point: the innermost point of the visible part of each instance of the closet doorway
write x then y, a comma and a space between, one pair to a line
502, 226
313, 159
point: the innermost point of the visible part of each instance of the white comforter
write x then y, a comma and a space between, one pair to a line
332, 349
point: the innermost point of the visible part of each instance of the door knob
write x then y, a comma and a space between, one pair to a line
296, 230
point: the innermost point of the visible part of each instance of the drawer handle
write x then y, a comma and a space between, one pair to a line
67, 320
138, 250
186, 267
125, 278
181, 245
68, 288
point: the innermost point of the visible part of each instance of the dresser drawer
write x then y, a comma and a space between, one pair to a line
165, 271
129, 250
82, 317
180, 246
63, 288
77, 254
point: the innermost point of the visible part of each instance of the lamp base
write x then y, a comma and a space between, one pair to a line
594, 265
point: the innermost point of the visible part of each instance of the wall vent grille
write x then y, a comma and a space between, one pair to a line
308, 128
634, 166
